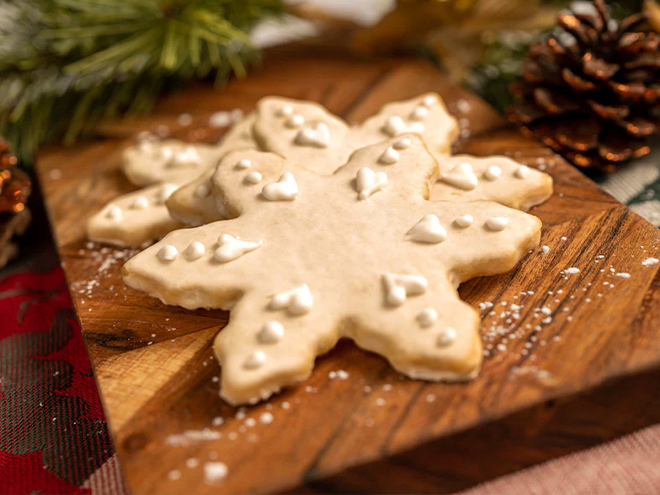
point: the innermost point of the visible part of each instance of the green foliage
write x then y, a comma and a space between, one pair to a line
65, 64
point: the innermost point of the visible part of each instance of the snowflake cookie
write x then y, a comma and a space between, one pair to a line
361, 254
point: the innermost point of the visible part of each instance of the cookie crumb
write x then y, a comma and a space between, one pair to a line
285, 405
218, 421
338, 375
430, 398
572, 271
266, 418
650, 262
174, 475
380, 402
545, 249
192, 463
215, 471
623, 275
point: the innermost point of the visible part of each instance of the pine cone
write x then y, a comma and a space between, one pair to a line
591, 91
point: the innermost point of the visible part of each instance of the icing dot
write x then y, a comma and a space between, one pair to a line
243, 163
417, 127
253, 178
497, 223
317, 136
185, 158
166, 191
254, 360
140, 203
522, 172
285, 111
429, 101
427, 317
202, 191
295, 121
402, 144
399, 287
492, 172
168, 253
428, 230
394, 126
446, 337
285, 189
271, 333
368, 182
389, 156
194, 251
114, 213
419, 113
298, 301
464, 221
461, 176
230, 248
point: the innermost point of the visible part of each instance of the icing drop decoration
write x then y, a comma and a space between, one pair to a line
394, 126
254, 360
417, 127
368, 182
298, 301
114, 213
446, 338
166, 191
399, 287
202, 191
429, 101
195, 251
243, 163
493, 172
285, 189
230, 248
317, 136
427, 317
402, 144
522, 172
428, 230
389, 156
295, 121
461, 176
168, 253
497, 223
271, 333
285, 111
253, 178
464, 221
419, 113
187, 157
140, 203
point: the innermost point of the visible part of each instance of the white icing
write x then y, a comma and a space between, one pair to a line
242, 164
368, 182
427, 317
493, 172
428, 230
253, 178
572, 270
522, 172
166, 191
429, 101
650, 262
140, 203
194, 251
202, 191
271, 333
461, 176
497, 223
285, 111
464, 221
298, 301
446, 337
168, 253
317, 136
186, 157
417, 127
254, 360
394, 126
419, 113
399, 287
295, 121
402, 144
389, 156
285, 189
114, 213
230, 248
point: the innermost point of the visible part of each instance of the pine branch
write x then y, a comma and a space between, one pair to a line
65, 64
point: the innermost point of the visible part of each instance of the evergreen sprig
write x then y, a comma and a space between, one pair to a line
65, 64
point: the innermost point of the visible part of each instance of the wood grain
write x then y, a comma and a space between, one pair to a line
557, 379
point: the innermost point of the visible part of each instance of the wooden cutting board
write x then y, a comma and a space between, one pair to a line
589, 373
